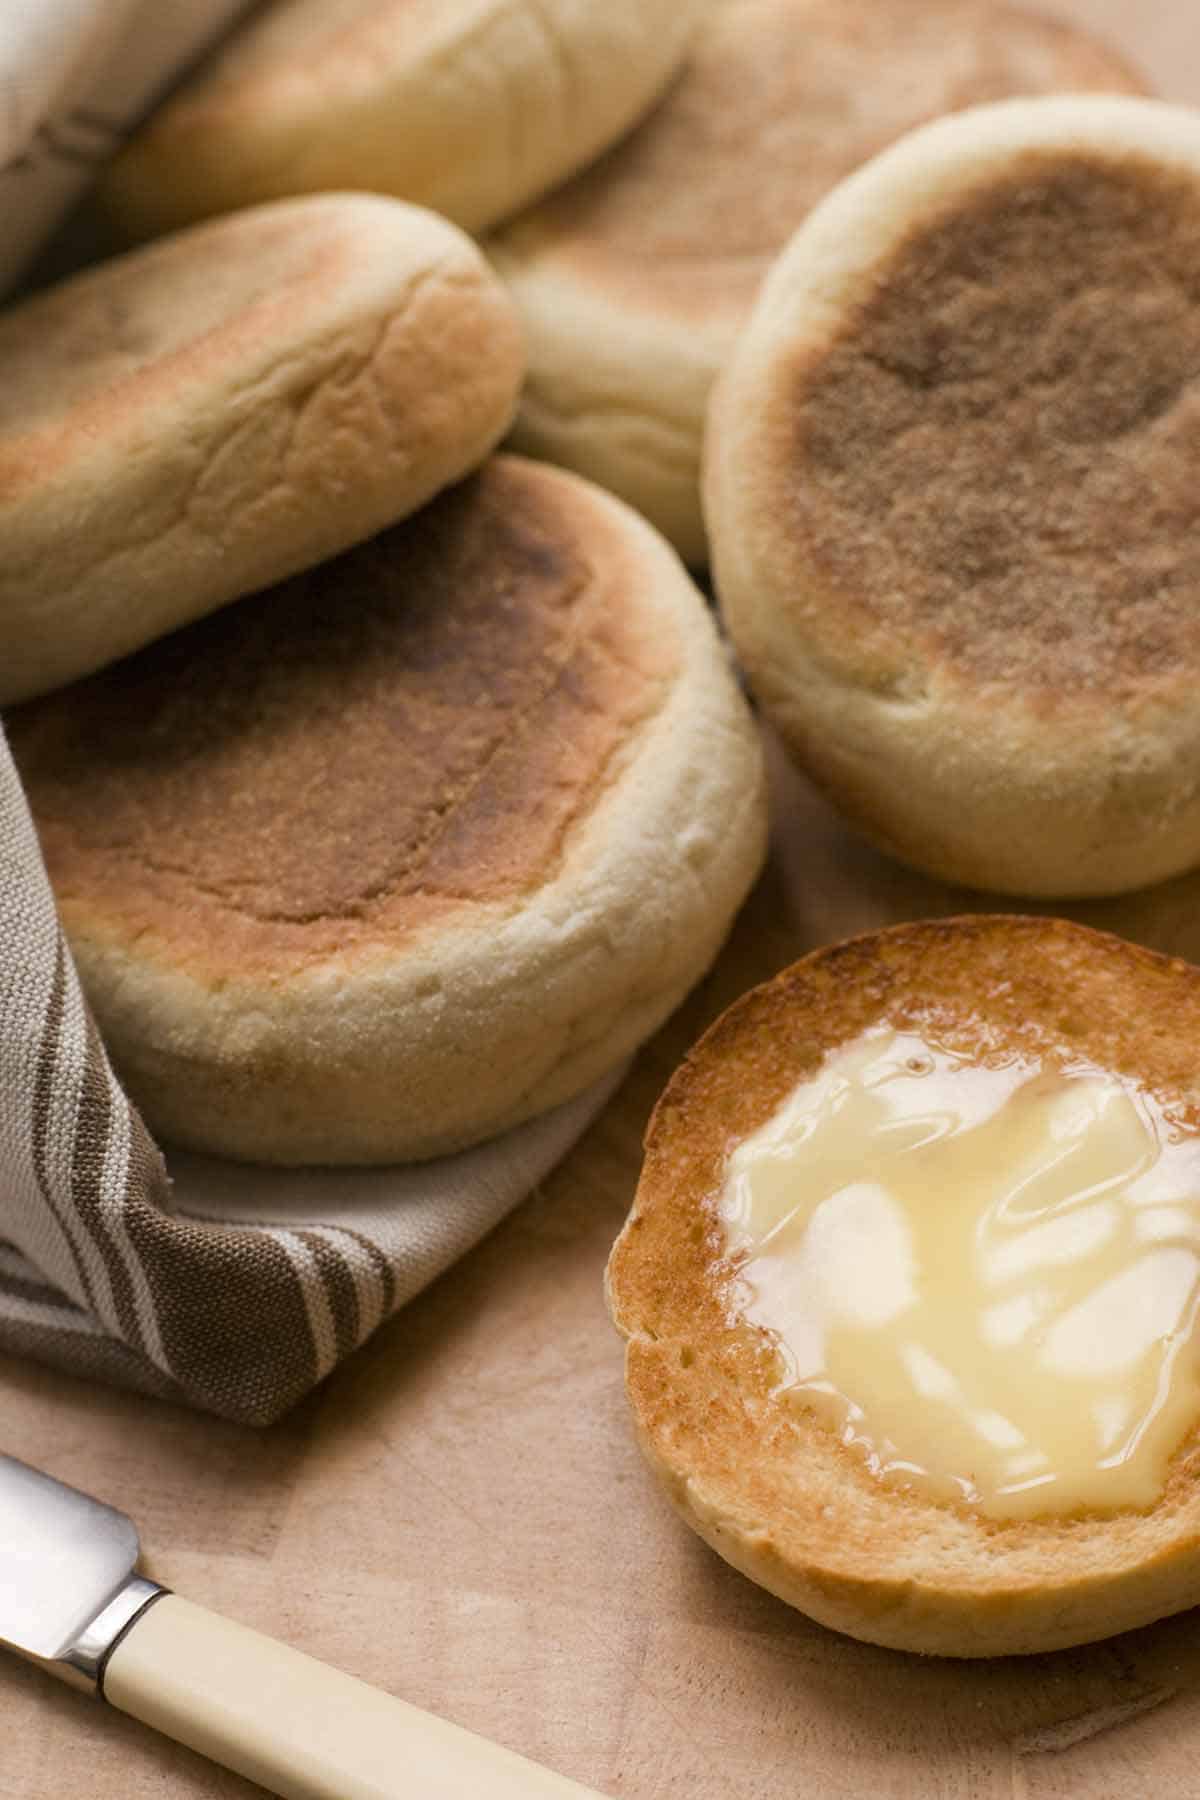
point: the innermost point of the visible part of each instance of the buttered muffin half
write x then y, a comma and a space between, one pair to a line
471, 107
191, 421
635, 279
413, 846
952, 489
910, 1286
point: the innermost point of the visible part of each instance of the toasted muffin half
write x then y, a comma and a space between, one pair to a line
784, 1491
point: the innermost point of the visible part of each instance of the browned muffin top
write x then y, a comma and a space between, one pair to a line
410, 728
994, 464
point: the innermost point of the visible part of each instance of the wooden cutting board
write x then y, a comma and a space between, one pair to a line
460, 1515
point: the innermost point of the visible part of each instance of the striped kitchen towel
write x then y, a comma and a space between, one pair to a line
233, 1289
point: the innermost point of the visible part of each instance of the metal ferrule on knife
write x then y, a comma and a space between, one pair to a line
82, 1663
69, 1587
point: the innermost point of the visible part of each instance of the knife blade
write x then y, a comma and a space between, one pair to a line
73, 1601
66, 1563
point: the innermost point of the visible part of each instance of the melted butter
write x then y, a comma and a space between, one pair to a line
985, 1276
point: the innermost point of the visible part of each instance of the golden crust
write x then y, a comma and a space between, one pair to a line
413, 846
471, 107
188, 422
770, 1487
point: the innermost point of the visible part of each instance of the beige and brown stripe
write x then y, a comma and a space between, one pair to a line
231, 1288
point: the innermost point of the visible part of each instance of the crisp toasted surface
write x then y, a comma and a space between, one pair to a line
659, 248
412, 845
950, 487
193, 420
770, 1487
472, 107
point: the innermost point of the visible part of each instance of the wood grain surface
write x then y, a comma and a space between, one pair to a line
460, 1515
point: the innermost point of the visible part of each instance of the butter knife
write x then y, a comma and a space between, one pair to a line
71, 1600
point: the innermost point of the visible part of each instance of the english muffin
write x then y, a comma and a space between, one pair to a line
952, 493
471, 107
635, 279
196, 419
910, 1286
833, 883
412, 846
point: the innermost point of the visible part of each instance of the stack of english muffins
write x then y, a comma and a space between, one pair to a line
394, 775
374, 771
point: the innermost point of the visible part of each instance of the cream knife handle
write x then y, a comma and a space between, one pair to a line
298, 1727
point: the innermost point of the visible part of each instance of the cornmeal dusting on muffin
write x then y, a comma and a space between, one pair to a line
997, 455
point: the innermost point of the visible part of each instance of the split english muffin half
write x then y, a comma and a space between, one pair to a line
635, 279
941, 1390
412, 846
951, 487
196, 419
471, 107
